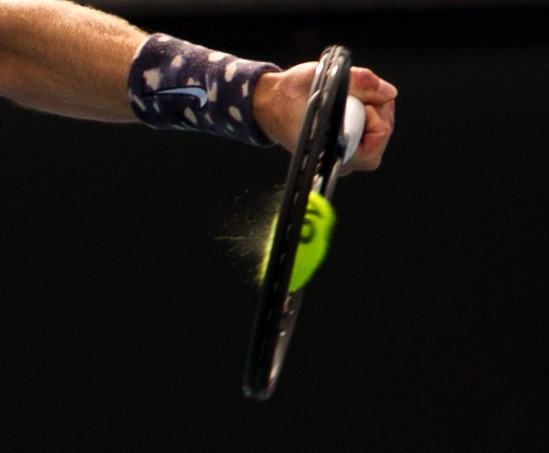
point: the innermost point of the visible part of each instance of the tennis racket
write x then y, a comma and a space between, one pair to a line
331, 130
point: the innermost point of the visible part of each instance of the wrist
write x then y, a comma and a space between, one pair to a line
264, 101
174, 84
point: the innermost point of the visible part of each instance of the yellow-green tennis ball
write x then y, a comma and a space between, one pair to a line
316, 233
313, 245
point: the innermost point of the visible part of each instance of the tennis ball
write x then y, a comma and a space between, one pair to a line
313, 243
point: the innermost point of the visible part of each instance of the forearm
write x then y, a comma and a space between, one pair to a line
62, 58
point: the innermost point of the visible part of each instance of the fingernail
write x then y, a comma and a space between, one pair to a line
387, 89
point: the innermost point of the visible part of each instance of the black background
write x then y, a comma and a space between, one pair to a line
126, 312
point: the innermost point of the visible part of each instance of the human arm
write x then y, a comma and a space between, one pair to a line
66, 59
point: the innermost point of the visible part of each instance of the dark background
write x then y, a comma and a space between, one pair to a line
125, 319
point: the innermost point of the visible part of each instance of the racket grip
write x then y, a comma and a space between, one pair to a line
353, 126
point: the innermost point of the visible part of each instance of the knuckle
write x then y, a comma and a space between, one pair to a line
366, 79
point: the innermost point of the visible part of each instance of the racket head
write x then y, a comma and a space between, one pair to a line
314, 166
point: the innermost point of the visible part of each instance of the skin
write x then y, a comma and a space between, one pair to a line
61, 58
65, 59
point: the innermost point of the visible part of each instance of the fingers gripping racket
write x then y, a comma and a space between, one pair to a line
331, 130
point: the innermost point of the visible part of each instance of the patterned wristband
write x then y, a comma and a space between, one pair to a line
174, 84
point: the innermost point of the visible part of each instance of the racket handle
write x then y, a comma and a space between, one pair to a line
353, 126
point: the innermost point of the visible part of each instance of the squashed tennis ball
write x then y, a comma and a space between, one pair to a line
313, 244
315, 238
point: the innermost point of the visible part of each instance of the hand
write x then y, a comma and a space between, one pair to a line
279, 102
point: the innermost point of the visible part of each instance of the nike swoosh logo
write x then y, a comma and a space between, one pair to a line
194, 91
